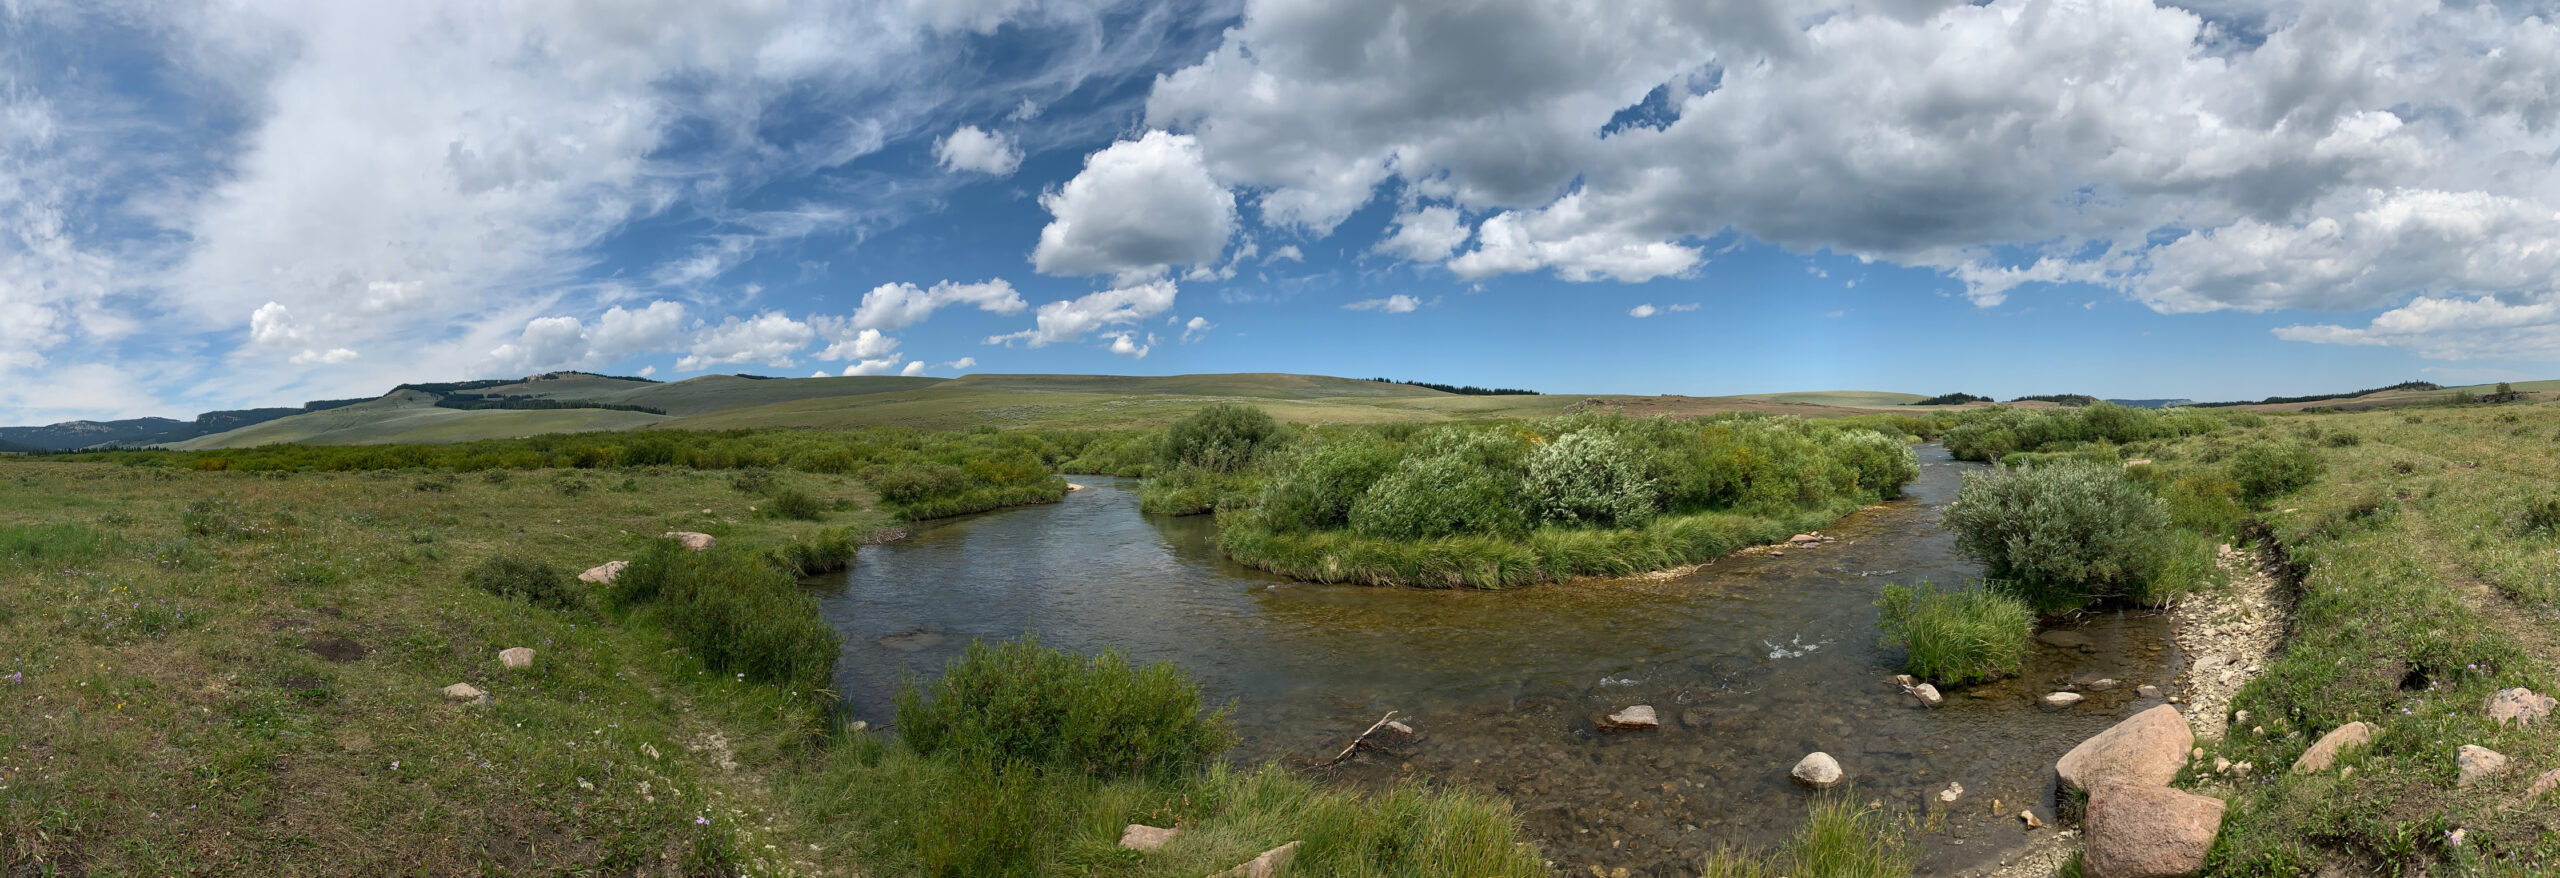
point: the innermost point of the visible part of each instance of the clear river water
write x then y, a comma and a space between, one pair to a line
1751, 661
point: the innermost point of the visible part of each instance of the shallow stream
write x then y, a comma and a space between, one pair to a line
1751, 661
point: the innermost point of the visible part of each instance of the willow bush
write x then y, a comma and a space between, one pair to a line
1508, 503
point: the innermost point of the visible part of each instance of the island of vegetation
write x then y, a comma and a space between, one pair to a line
1508, 503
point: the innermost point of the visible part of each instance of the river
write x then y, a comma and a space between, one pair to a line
1751, 661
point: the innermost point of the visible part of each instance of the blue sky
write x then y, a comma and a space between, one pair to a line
225, 205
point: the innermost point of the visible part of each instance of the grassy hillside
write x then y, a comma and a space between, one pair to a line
715, 402
409, 416
1841, 398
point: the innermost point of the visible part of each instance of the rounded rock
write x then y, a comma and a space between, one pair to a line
1817, 770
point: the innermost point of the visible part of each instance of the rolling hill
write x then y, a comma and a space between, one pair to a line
412, 413
413, 416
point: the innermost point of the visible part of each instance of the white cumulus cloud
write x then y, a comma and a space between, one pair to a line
1072, 319
1399, 303
900, 305
1138, 207
970, 148
1642, 311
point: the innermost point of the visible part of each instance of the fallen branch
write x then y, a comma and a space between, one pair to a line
1356, 742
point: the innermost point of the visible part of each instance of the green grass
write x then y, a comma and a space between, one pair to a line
1959, 635
222, 672
225, 683
1841, 840
2418, 599
1019, 703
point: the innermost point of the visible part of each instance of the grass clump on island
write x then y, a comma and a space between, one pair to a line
1957, 636
1494, 505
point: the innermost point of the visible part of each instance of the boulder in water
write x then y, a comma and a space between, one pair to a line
1817, 770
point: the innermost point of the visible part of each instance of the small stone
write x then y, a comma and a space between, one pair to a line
2519, 705
1928, 695
2029, 817
1399, 728
1141, 837
2240, 718
2147, 690
1266, 866
1633, 719
1905, 680
1817, 770
1953, 792
2260, 731
516, 657
693, 541
2103, 684
464, 692
2326, 750
2065, 639
1803, 539
2542, 784
603, 574
2060, 700
2477, 764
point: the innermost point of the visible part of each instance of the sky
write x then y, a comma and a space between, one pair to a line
209, 205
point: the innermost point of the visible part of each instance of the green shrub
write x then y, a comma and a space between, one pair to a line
1956, 636
1883, 464
1461, 483
796, 504
735, 611
2539, 517
915, 482
1191, 490
2064, 534
2269, 469
1589, 478
515, 576
1020, 702
825, 551
1315, 488
2205, 501
1221, 438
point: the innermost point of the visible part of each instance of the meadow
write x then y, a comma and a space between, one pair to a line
243, 670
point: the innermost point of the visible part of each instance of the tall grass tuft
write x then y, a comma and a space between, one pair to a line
735, 611
796, 504
1840, 841
1020, 703
516, 576
1956, 636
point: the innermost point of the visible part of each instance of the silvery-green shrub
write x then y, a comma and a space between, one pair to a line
2063, 534
1590, 477
1456, 482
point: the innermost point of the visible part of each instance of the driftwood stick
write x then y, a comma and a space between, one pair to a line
1356, 742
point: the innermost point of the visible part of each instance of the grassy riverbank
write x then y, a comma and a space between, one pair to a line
226, 672
2429, 573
